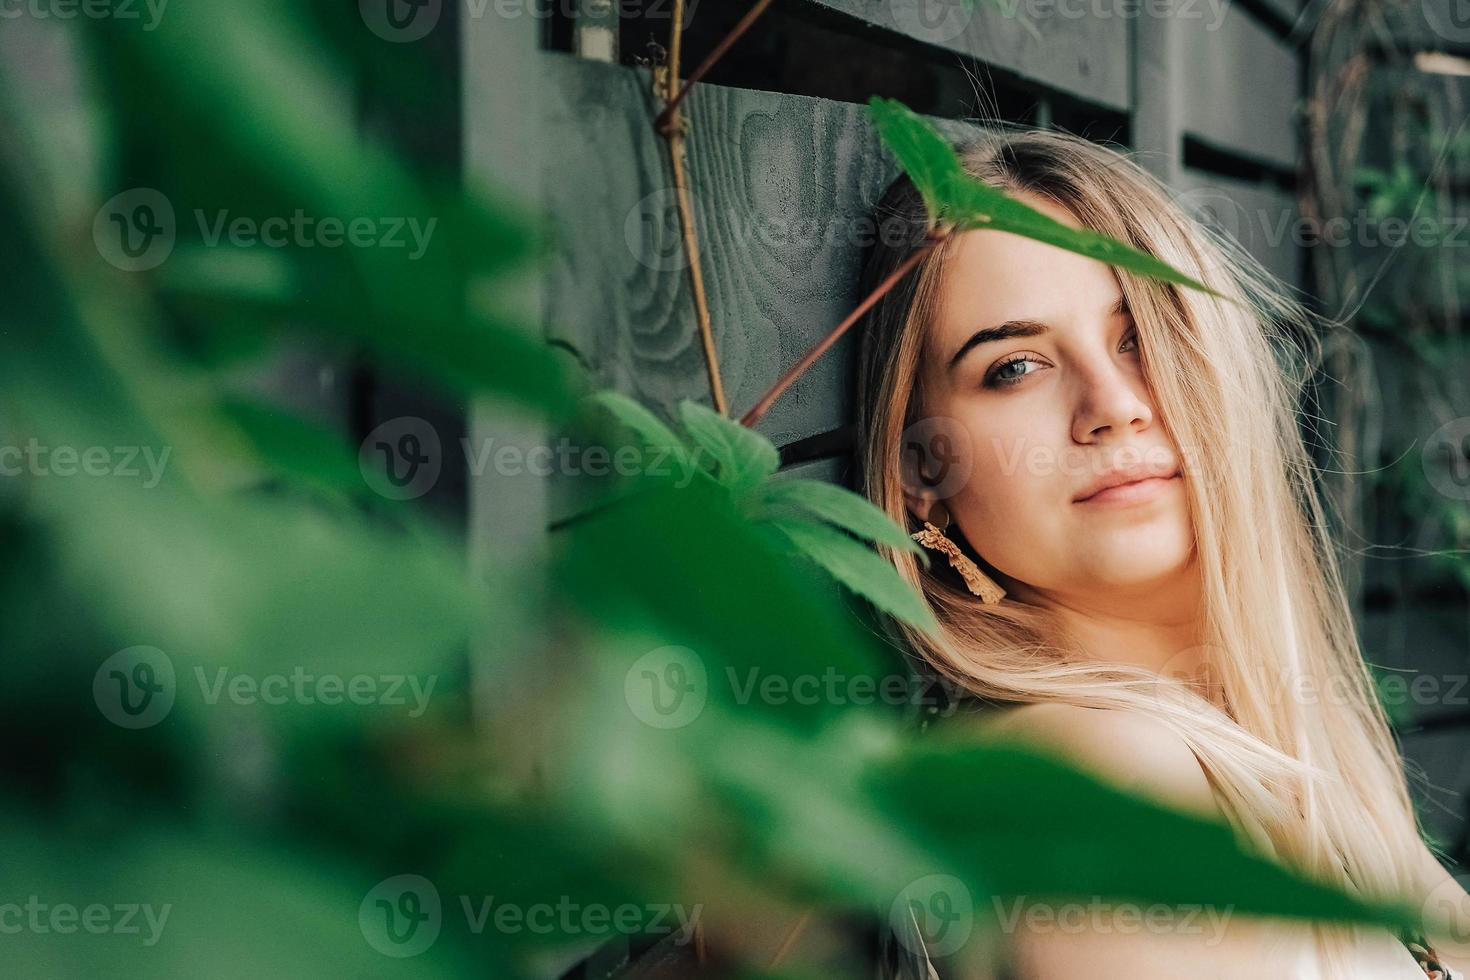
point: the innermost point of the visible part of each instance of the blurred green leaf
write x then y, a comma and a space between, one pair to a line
859, 568
1033, 824
294, 447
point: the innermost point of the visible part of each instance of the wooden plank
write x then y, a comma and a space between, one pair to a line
1241, 84
1263, 219
1066, 45
783, 188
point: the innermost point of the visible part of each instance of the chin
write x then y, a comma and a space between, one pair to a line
1139, 567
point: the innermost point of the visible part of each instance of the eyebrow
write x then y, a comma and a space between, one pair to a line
1017, 328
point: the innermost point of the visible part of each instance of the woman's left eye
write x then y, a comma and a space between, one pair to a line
1133, 338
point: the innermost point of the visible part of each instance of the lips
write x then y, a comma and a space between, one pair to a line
1124, 476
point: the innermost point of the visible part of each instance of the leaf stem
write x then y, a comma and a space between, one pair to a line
933, 238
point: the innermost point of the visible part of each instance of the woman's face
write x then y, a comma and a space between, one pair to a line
1034, 396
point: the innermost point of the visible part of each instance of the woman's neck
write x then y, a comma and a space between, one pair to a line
1159, 627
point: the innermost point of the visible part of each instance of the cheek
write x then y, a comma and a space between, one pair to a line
1009, 505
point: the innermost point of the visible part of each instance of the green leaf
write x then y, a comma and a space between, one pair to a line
460, 346
248, 908
859, 568
294, 446
1049, 847
840, 506
925, 155
648, 427
744, 456
952, 195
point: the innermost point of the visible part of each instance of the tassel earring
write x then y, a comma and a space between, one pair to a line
976, 581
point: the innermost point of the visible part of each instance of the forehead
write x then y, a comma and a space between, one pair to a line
994, 276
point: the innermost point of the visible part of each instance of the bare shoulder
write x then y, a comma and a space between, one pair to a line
1129, 749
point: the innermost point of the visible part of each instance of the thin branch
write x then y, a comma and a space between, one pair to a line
933, 238
664, 122
674, 134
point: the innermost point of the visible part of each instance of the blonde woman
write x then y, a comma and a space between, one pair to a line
1131, 564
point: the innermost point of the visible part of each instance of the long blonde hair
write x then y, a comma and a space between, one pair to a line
1314, 780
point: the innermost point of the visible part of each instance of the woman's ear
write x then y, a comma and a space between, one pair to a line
922, 507
919, 494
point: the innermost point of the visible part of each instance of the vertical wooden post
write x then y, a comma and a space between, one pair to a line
501, 117
1158, 93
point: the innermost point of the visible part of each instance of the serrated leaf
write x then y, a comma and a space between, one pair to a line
743, 456
859, 568
646, 425
951, 195
838, 505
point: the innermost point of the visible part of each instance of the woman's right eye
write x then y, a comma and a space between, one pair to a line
1007, 372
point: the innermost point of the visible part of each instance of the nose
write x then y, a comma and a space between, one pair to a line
1113, 398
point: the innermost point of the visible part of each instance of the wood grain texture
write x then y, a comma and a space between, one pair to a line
1240, 84
783, 186
1078, 46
